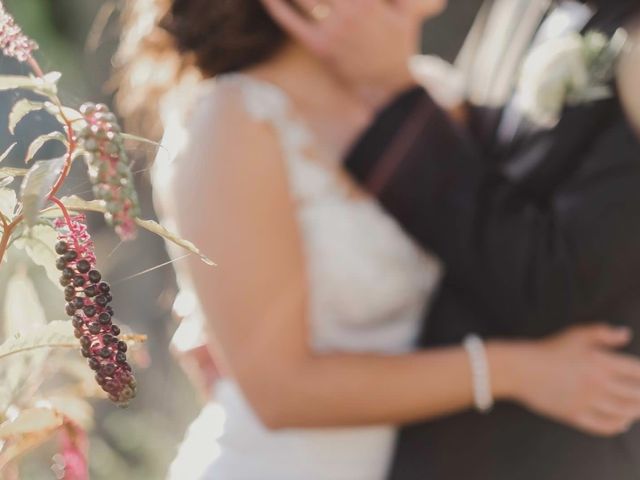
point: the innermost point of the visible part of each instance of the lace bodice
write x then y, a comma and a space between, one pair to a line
368, 282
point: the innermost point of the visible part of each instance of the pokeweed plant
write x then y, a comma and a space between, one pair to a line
52, 231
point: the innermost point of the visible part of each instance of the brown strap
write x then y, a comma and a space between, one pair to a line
398, 149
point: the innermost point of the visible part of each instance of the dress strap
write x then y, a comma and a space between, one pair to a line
266, 102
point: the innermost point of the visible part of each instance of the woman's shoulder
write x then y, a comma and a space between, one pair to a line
222, 136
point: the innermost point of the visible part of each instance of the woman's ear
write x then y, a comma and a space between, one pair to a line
628, 77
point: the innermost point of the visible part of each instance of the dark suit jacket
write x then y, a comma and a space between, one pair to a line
541, 236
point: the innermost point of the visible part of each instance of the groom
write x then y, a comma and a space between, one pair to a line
538, 227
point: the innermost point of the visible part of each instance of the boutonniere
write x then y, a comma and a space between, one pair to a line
568, 71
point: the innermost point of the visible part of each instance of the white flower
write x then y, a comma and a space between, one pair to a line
550, 73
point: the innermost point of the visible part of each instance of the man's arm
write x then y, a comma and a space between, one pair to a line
536, 255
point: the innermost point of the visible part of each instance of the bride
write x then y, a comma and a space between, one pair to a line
318, 295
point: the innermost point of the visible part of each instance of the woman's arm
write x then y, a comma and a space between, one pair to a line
232, 199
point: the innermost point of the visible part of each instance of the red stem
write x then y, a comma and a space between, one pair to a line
33, 63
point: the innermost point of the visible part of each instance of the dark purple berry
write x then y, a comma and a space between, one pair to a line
61, 247
100, 379
104, 287
83, 266
70, 309
77, 322
94, 363
78, 333
108, 370
85, 341
86, 353
115, 330
95, 276
61, 263
65, 281
109, 310
104, 318
108, 339
105, 352
122, 346
121, 357
109, 297
78, 281
89, 310
94, 328
91, 291
78, 302
101, 300
68, 273
70, 255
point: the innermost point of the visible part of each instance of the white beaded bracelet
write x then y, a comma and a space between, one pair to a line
481, 380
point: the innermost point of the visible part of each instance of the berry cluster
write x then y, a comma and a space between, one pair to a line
109, 168
88, 299
13, 42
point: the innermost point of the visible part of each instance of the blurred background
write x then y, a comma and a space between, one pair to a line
78, 38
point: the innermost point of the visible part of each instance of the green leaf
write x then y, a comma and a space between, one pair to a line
56, 334
23, 315
22, 309
155, 227
8, 201
20, 110
13, 172
136, 138
64, 114
37, 185
39, 142
46, 85
78, 204
6, 153
39, 243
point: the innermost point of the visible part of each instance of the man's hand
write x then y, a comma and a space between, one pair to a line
367, 42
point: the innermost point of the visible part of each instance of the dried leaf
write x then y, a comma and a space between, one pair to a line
155, 227
6, 153
39, 243
39, 142
37, 185
20, 110
32, 420
56, 334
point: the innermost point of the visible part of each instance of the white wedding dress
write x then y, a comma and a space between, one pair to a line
369, 288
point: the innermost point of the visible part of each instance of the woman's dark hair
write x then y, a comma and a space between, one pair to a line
165, 41
222, 35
